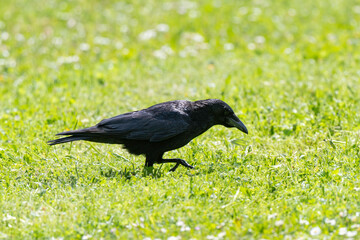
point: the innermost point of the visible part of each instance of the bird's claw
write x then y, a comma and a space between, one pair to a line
182, 162
174, 168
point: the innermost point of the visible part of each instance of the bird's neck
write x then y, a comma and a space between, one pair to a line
204, 116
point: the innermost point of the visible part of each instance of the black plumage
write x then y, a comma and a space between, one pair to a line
159, 128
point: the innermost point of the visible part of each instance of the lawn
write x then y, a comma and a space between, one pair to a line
289, 69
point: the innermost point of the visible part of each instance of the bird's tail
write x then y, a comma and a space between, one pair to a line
76, 135
67, 139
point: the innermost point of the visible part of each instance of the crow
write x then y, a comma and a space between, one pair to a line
160, 128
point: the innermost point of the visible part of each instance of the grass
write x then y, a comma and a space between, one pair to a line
290, 70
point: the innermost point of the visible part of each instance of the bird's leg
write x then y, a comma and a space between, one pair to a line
149, 164
149, 161
178, 161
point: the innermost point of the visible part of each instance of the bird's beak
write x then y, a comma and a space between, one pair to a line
234, 121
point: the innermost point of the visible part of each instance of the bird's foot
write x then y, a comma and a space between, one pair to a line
174, 168
182, 162
178, 161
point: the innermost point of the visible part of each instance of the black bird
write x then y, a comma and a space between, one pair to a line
159, 128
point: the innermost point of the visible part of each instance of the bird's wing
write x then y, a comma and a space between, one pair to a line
153, 126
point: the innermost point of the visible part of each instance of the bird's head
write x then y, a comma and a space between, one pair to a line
225, 116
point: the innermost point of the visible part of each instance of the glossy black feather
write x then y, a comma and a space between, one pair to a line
154, 124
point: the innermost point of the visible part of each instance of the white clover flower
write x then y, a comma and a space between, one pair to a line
228, 46
188, 51
251, 46
304, 222
174, 238
343, 213
8, 217
288, 51
243, 10
71, 23
7, 62
119, 45
279, 223
67, 59
163, 52
101, 40
26, 221
86, 236
260, 39
332, 222
167, 49
84, 47
351, 233
257, 11
162, 27
19, 37
192, 37
4, 36
185, 228
315, 231
356, 9
197, 37
342, 231
193, 14
221, 235
355, 226
5, 53
185, 6
57, 41
124, 28
277, 165
180, 223
272, 216
147, 35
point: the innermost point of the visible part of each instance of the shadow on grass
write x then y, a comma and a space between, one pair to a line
129, 173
